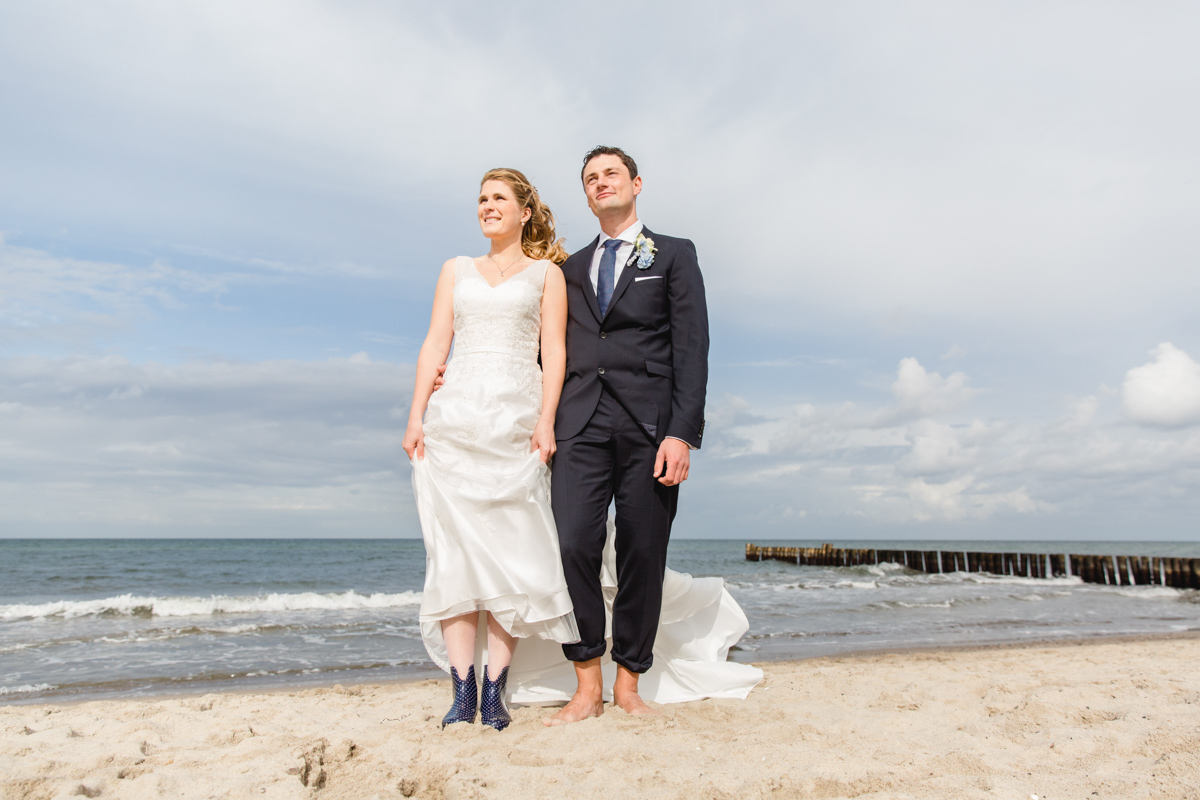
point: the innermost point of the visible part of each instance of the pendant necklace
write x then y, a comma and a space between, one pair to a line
506, 269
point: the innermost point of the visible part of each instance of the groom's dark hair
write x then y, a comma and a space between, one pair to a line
628, 161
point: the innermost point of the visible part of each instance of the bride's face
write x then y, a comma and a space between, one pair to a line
499, 213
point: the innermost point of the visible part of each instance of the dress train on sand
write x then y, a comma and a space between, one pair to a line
700, 621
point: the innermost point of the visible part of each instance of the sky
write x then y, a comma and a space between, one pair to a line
950, 249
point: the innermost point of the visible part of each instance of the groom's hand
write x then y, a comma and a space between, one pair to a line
440, 379
671, 464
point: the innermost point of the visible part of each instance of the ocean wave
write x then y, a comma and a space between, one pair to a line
881, 568
1149, 592
27, 688
982, 578
856, 585
988, 577
136, 605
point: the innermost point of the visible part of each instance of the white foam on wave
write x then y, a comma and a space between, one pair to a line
856, 585
1018, 580
27, 688
1148, 592
943, 604
130, 604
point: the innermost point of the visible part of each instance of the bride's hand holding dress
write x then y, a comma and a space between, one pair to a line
431, 359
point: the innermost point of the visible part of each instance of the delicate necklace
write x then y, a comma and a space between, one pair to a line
506, 269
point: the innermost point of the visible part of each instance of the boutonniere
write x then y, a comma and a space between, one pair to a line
644, 249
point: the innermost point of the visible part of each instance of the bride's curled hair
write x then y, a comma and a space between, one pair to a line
537, 237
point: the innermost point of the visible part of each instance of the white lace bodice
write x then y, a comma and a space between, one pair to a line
506, 318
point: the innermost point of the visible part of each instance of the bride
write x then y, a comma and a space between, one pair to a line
481, 445
480, 448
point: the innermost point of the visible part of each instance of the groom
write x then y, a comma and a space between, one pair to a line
632, 409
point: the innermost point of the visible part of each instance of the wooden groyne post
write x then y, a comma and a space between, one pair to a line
1180, 573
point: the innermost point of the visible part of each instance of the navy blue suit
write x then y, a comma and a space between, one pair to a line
634, 376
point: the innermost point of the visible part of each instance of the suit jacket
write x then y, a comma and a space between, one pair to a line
650, 350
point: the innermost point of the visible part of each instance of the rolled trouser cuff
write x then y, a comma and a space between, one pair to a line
583, 652
634, 666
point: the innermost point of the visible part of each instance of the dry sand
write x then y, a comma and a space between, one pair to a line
1117, 719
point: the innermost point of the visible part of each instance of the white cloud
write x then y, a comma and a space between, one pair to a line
923, 393
938, 448
871, 468
899, 463
957, 163
46, 297
952, 500
1081, 415
214, 448
954, 353
1165, 391
105, 446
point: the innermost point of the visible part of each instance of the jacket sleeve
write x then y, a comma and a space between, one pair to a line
689, 346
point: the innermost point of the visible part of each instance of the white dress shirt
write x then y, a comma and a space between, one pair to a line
628, 236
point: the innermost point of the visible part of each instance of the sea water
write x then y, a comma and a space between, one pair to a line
135, 617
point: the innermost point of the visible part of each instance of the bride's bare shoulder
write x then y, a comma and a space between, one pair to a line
449, 269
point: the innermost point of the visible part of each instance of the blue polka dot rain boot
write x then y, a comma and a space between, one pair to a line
465, 698
493, 711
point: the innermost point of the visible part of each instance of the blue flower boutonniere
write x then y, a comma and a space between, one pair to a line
644, 249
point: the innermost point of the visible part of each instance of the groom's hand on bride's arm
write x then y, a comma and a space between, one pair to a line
440, 379
671, 463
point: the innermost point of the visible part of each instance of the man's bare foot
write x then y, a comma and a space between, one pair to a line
633, 704
578, 709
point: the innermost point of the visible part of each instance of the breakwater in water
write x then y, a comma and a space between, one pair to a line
1180, 573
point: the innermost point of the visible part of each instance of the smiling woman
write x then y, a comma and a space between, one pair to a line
513, 189
481, 448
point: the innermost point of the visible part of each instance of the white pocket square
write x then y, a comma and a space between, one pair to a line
648, 278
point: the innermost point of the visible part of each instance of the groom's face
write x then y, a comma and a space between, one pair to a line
608, 187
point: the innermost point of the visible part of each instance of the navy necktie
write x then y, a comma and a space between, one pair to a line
604, 278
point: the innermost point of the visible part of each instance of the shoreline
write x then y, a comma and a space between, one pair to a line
435, 674
1118, 717
1080, 641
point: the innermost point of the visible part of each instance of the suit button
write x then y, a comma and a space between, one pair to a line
601, 370
603, 335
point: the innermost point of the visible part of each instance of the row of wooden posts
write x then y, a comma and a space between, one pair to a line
1181, 573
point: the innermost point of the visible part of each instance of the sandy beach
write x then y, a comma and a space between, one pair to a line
1116, 719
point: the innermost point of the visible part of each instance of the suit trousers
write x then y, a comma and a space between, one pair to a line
613, 459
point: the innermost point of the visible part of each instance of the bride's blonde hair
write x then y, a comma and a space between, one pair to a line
537, 235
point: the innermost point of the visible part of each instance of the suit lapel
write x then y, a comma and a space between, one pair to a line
585, 280
626, 275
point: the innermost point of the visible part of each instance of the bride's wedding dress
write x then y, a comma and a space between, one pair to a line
482, 496
484, 504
